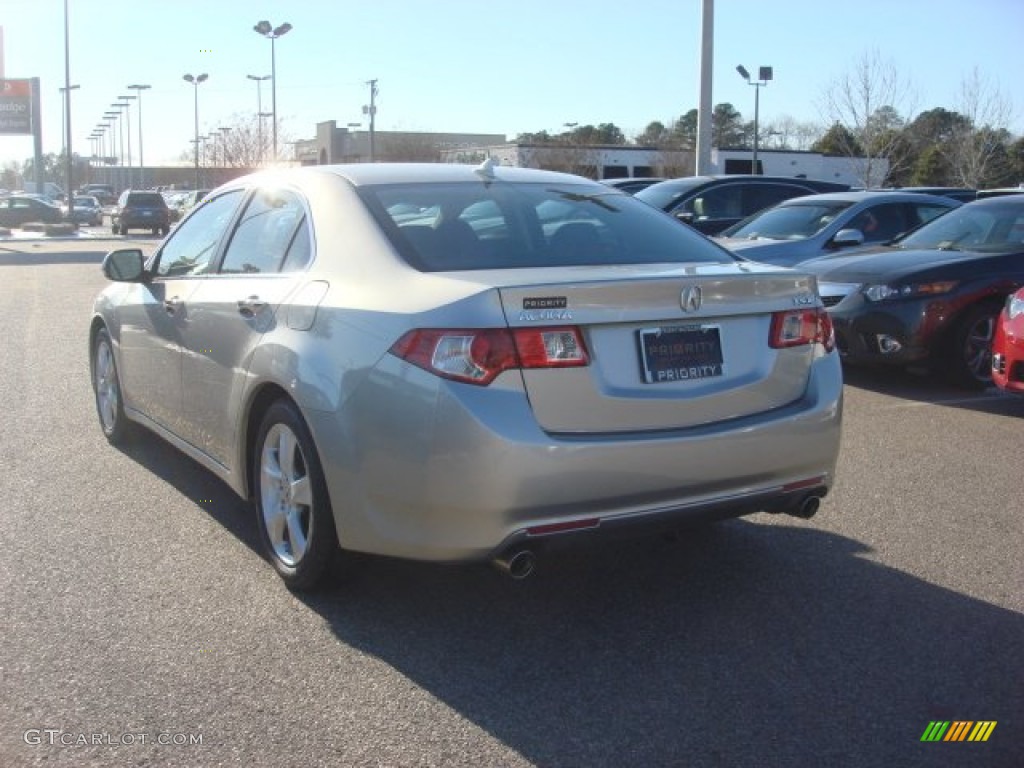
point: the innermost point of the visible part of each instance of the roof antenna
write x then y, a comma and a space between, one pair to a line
486, 168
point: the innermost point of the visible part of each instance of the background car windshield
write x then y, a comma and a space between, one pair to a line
661, 194
440, 227
787, 222
990, 229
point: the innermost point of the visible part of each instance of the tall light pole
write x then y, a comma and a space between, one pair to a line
115, 119
126, 102
763, 76
370, 110
272, 33
64, 112
195, 81
138, 88
259, 110
67, 105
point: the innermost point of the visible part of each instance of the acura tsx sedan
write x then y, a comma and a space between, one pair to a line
457, 363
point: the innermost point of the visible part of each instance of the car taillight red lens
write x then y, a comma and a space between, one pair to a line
802, 326
478, 356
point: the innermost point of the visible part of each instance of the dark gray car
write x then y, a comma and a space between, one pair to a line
710, 204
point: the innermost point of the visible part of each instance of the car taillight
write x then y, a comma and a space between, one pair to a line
477, 356
797, 327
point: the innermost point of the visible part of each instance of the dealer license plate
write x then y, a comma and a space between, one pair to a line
681, 353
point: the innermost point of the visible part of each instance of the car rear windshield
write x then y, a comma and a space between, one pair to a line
500, 225
147, 199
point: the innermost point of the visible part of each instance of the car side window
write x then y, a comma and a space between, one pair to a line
192, 247
881, 222
716, 203
265, 233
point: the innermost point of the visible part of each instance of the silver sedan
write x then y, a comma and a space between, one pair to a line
451, 363
805, 228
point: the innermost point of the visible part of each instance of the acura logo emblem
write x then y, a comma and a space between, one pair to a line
690, 298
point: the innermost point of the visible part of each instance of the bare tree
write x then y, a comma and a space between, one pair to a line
863, 101
978, 145
790, 133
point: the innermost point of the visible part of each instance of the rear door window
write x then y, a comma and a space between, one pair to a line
265, 232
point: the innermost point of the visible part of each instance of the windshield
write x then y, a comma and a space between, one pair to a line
664, 193
457, 226
787, 222
983, 228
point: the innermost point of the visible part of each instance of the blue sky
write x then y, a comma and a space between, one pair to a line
484, 66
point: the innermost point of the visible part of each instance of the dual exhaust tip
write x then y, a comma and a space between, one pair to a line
520, 563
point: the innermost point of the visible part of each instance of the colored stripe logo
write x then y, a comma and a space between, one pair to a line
958, 730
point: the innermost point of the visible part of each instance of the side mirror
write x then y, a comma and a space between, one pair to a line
844, 238
125, 266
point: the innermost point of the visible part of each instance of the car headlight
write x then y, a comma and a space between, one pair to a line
883, 292
1014, 306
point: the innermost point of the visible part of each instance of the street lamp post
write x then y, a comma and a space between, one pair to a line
63, 115
142, 169
195, 81
370, 110
115, 127
763, 76
67, 105
259, 111
126, 102
272, 33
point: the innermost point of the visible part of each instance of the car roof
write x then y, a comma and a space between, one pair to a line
861, 196
368, 174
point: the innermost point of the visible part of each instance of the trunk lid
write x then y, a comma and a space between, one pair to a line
669, 348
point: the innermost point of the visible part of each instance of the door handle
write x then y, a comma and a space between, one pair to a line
172, 305
251, 306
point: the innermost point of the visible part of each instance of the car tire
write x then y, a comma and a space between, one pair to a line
114, 229
293, 510
968, 362
106, 384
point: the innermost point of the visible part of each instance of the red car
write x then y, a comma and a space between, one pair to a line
1008, 345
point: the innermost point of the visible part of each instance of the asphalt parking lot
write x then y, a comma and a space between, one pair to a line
142, 627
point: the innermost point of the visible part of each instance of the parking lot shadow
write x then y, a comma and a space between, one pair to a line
738, 645
193, 481
928, 388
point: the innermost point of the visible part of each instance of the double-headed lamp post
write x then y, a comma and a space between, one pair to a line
272, 33
195, 81
259, 111
142, 168
763, 76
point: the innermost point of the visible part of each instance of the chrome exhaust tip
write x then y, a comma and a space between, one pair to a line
517, 564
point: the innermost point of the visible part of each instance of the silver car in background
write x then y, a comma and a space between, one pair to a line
810, 227
450, 363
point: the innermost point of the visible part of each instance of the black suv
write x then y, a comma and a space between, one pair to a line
712, 203
141, 210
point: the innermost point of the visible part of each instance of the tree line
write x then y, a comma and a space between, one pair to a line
868, 112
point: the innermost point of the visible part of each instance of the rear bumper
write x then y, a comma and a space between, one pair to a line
423, 469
